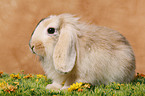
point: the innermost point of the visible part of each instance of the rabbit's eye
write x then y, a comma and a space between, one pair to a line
51, 30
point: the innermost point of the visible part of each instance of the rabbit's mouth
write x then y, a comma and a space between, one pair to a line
38, 49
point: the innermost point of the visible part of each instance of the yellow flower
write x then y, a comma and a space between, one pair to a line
44, 77
28, 76
87, 85
9, 88
140, 75
3, 84
15, 76
75, 86
32, 89
1, 73
16, 83
122, 84
118, 84
36, 80
138, 83
80, 90
117, 88
40, 76
63, 83
79, 86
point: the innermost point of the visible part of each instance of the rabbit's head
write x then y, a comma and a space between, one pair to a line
56, 36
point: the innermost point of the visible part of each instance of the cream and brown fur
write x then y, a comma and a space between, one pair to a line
79, 52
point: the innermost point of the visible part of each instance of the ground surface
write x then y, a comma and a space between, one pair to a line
34, 85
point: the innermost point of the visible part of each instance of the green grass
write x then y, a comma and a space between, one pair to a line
34, 85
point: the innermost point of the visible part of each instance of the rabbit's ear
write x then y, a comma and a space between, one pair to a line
64, 55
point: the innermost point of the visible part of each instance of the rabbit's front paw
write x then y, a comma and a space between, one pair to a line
54, 86
65, 88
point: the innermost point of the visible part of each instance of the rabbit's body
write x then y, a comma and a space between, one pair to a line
98, 55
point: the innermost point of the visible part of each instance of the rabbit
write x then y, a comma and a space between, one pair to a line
71, 50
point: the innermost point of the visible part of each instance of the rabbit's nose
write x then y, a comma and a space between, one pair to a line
32, 48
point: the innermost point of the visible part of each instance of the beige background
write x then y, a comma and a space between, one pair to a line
18, 19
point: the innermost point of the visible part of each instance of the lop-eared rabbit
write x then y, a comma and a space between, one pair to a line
73, 51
